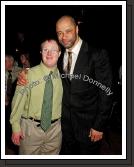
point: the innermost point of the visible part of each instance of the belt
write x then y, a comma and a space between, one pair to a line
36, 120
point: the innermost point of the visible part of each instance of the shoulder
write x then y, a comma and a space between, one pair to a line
34, 69
98, 54
16, 69
34, 72
88, 47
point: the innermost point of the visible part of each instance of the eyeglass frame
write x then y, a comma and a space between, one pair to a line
45, 51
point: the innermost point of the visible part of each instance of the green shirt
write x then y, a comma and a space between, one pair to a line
27, 101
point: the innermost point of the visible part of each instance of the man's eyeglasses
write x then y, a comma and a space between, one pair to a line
45, 51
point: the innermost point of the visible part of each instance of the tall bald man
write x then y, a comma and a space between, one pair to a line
86, 103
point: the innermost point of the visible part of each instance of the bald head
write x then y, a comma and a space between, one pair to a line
66, 18
67, 31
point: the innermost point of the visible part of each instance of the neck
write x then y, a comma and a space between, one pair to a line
50, 67
10, 69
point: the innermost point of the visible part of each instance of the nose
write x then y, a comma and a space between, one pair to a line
63, 36
49, 52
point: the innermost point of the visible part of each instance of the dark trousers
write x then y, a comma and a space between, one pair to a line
8, 130
71, 145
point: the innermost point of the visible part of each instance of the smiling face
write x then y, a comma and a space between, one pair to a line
67, 32
50, 53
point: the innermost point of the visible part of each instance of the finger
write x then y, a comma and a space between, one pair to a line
89, 134
22, 136
13, 141
17, 141
17, 144
97, 138
20, 75
21, 82
26, 71
18, 83
92, 138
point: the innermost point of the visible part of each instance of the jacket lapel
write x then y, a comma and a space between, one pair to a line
82, 58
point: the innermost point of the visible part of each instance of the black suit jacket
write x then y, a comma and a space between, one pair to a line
85, 101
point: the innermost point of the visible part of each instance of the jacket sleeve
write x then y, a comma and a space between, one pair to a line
103, 75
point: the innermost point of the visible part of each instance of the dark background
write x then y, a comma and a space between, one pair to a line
100, 25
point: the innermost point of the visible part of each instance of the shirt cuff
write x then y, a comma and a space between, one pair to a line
16, 127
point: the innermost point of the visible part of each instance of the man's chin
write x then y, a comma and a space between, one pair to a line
66, 46
50, 65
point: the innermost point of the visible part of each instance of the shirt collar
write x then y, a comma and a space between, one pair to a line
47, 70
76, 48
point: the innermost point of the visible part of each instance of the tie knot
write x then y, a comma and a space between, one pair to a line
9, 74
51, 72
69, 53
9, 71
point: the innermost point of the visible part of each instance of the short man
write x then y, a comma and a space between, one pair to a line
86, 94
36, 108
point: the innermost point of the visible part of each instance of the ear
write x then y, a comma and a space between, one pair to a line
77, 29
59, 54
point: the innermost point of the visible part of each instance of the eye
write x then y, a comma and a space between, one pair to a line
68, 31
54, 51
59, 33
44, 50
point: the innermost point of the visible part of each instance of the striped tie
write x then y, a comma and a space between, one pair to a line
68, 67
